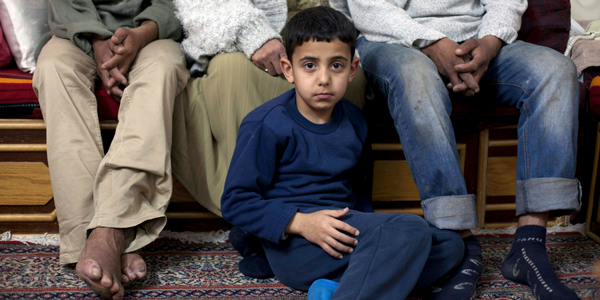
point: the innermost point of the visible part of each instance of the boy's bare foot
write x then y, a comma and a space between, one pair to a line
100, 262
133, 268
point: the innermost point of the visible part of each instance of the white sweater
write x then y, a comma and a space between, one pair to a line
419, 23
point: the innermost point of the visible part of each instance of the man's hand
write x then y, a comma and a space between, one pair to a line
125, 44
442, 53
267, 57
102, 54
324, 229
482, 52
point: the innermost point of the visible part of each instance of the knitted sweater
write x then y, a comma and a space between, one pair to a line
283, 164
419, 23
222, 26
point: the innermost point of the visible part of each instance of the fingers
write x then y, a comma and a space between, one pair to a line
113, 62
272, 69
470, 82
117, 75
276, 67
466, 47
330, 251
119, 36
117, 49
339, 247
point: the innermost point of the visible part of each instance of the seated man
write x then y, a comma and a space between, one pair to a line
118, 200
418, 54
296, 181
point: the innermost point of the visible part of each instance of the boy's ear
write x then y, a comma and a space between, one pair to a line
353, 68
286, 68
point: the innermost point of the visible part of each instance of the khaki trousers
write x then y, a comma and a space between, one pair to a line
207, 116
131, 185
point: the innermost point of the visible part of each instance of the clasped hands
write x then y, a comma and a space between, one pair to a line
115, 55
463, 65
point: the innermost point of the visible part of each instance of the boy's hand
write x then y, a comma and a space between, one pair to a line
267, 57
482, 51
442, 53
324, 229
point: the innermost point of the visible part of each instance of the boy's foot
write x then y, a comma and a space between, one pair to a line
133, 268
100, 262
528, 263
256, 266
255, 262
322, 289
461, 285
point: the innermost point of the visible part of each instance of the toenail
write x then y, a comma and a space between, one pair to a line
96, 272
142, 270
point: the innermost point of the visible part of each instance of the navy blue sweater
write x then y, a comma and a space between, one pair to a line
284, 164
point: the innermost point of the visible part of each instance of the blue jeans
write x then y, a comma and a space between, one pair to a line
395, 254
536, 80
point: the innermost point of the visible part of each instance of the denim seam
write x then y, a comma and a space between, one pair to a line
525, 90
525, 140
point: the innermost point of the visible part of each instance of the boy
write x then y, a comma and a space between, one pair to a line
293, 171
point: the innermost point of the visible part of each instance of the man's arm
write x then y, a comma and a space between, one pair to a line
502, 19
213, 27
76, 20
385, 21
162, 12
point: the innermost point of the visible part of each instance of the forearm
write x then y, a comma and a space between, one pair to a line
147, 32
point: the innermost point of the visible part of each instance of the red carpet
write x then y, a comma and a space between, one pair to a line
180, 270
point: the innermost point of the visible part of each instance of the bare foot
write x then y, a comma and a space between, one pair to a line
100, 262
133, 268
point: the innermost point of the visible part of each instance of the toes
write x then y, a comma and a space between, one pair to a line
106, 282
132, 276
89, 269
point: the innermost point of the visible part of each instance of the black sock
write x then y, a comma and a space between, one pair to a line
254, 263
245, 243
256, 266
528, 263
462, 283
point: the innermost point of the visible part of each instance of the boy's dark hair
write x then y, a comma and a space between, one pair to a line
319, 24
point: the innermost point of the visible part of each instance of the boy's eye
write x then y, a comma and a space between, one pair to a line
337, 66
309, 65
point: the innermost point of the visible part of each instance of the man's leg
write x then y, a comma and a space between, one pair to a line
542, 84
420, 105
133, 184
64, 84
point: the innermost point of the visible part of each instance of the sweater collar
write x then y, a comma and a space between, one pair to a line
329, 127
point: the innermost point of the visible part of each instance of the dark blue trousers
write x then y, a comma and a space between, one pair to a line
396, 254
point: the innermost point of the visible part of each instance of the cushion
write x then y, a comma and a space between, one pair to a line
24, 22
17, 99
547, 23
5, 55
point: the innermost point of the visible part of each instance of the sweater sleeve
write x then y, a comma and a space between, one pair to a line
251, 171
213, 27
76, 20
384, 21
161, 12
502, 19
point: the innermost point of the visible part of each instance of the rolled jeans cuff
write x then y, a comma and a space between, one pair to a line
548, 194
451, 212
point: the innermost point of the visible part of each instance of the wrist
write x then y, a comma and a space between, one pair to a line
146, 33
295, 224
494, 42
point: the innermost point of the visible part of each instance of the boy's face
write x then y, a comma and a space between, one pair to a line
321, 71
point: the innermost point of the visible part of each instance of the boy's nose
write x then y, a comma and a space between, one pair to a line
323, 78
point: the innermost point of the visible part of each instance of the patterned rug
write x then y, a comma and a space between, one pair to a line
179, 270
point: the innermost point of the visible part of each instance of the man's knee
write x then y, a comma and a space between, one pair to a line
229, 62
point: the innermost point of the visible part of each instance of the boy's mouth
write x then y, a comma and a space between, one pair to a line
323, 96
